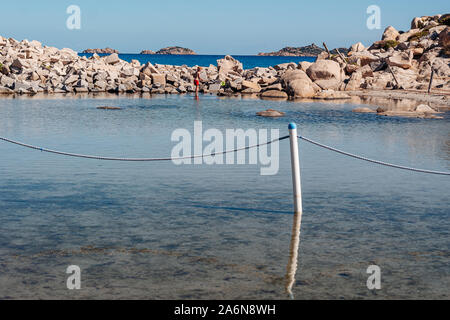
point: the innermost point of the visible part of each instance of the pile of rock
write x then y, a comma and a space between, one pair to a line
400, 59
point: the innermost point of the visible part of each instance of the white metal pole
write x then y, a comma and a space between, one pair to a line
298, 210
295, 162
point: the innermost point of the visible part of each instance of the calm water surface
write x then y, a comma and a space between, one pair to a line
248, 62
160, 231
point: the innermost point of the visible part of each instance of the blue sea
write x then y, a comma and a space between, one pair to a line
248, 62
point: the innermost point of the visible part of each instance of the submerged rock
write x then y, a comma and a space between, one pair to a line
271, 113
363, 110
109, 108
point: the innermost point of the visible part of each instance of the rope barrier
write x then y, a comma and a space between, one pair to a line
222, 153
137, 159
373, 161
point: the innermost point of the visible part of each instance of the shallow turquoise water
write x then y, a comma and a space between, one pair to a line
160, 231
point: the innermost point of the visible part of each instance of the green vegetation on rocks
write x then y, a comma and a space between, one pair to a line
445, 20
417, 36
390, 44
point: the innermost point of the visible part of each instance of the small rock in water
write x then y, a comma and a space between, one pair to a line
271, 113
331, 95
423, 108
364, 110
109, 108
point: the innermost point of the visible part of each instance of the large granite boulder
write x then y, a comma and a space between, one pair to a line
112, 59
301, 88
324, 70
357, 47
402, 60
390, 33
229, 64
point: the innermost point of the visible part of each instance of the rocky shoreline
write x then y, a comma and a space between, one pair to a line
401, 60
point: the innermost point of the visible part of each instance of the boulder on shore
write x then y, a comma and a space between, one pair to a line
324, 70
274, 94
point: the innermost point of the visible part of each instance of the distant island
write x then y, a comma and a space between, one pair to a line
171, 50
148, 52
307, 51
106, 50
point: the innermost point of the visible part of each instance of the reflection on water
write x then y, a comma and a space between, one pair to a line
159, 231
293, 254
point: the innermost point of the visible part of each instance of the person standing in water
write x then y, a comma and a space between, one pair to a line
197, 81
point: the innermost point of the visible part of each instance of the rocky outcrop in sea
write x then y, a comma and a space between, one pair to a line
176, 51
106, 50
147, 52
307, 51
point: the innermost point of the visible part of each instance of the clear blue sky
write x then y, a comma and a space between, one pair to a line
208, 26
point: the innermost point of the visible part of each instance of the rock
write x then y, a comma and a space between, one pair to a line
147, 52
286, 66
304, 65
81, 89
444, 40
274, 94
416, 23
291, 75
159, 78
363, 110
423, 108
5, 90
405, 36
229, 64
255, 87
112, 59
271, 113
4, 70
402, 60
357, 47
350, 68
362, 58
276, 86
149, 69
20, 64
355, 82
331, 95
327, 84
22, 86
301, 88
390, 33
6, 81
109, 108
215, 87
324, 70
366, 71
71, 79
409, 114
